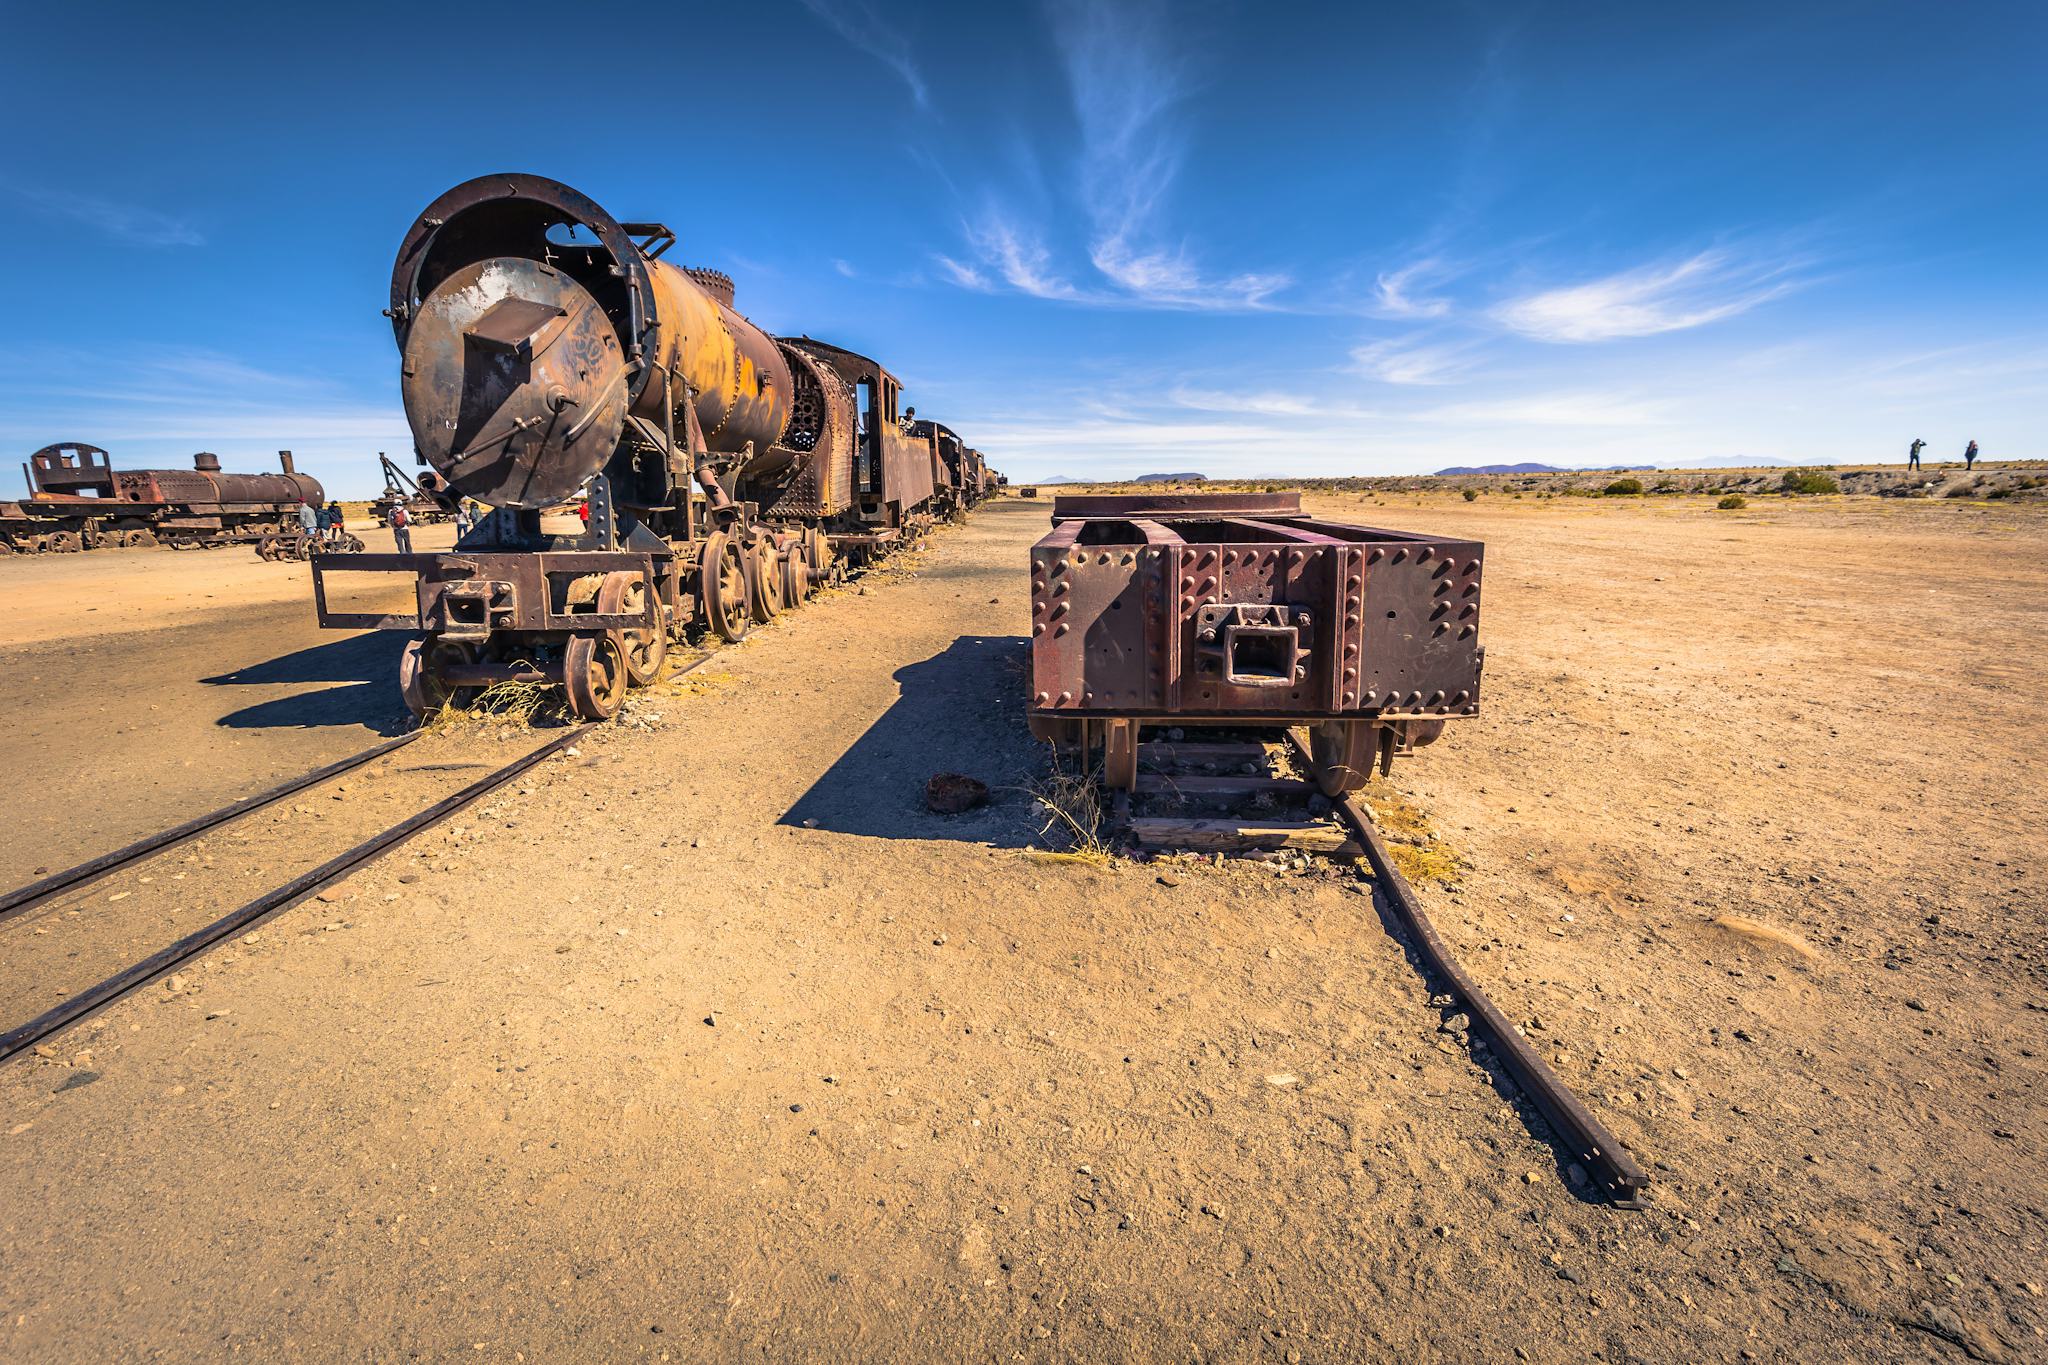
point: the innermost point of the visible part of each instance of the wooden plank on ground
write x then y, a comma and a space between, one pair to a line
1201, 750
1200, 784
1237, 836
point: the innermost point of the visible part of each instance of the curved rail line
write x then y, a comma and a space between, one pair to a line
1613, 1170
35, 893
94, 998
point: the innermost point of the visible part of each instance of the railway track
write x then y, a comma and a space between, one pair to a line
1615, 1174
23, 1037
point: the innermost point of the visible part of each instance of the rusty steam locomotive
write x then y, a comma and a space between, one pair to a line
550, 356
78, 501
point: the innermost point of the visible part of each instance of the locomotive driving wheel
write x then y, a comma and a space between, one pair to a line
419, 675
722, 588
1342, 753
818, 555
796, 576
65, 542
140, 540
625, 594
764, 583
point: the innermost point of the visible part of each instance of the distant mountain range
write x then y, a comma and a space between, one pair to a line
1530, 468
1142, 478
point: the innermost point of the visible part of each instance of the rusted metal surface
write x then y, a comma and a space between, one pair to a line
79, 501
549, 356
1203, 608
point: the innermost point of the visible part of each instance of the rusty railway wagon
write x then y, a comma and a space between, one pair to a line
549, 355
79, 501
1238, 610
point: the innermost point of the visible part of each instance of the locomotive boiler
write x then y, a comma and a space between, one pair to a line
550, 356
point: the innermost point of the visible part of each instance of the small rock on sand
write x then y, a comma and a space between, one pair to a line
952, 793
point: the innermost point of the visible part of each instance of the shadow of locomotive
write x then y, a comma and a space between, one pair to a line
368, 662
961, 711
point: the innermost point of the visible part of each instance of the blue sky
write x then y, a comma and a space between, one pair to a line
1097, 238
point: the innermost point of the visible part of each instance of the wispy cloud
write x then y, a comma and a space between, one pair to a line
172, 401
123, 222
1225, 399
1127, 76
857, 22
1551, 410
1393, 294
1704, 288
1397, 361
965, 275
845, 267
1018, 259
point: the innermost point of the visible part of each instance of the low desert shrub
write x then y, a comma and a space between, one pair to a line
1623, 488
1471, 495
1807, 481
1734, 502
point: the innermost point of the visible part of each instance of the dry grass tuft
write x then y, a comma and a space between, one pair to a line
517, 701
1072, 807
1417, 853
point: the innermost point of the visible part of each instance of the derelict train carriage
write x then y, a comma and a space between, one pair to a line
549, 355
78, 501
1238, 610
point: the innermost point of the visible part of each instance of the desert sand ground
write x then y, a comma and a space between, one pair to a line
710, 1043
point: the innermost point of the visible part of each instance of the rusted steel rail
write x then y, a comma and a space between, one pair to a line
88, 1001
95, 998
1614, 1172
35, 893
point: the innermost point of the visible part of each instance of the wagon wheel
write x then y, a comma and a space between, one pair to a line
764, 583
722, 587
1120, 754
594, 675
65, 542
419, 675
1341, 752
624, 594
796, 577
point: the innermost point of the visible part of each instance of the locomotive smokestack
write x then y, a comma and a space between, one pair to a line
206, 462
284, 458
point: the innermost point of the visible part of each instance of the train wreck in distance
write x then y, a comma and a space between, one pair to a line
78, 501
